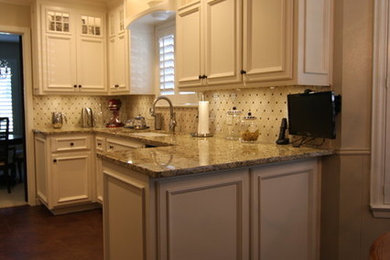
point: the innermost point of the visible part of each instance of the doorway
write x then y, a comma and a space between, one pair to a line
12, 107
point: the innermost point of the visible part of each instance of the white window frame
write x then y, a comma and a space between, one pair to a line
186, 100
8, 87
380, 139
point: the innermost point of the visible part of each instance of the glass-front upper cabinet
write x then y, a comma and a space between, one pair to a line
57, 21
91, 25
72, 51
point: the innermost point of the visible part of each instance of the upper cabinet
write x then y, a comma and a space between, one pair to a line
209, 43
118, 51
268, 40
223, 44
71, 50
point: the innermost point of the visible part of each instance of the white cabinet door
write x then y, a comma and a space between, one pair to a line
118, 52
71, 173
58, 50
268, 40
285, 211
118, 62
205, 217
222, 35
91, 53
188, 50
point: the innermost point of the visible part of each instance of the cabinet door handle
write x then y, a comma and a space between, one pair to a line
116, 85
243, 71
55, 160
99, 144
111, 147
205, 76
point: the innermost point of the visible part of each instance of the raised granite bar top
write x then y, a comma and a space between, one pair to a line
191, 155
181, 154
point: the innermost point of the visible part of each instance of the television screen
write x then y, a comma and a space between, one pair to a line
312, 114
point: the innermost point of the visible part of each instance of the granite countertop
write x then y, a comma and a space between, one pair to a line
181, 154
188, 155
112, 132
64, 130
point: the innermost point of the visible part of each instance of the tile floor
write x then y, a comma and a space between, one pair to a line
34, 233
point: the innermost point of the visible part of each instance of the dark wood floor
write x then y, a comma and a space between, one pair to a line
34, 233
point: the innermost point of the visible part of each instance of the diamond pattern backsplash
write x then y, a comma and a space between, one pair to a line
269, 105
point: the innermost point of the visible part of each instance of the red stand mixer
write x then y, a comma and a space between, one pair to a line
114, 105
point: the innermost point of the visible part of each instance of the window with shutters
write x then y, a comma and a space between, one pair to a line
165, 36
6, 95
166, 45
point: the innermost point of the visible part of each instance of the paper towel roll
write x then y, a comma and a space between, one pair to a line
203, 118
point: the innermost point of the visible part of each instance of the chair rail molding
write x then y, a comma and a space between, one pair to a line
380, 165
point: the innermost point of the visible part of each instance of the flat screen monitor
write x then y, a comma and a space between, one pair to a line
312, 114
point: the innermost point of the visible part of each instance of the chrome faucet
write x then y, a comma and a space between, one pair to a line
172, 121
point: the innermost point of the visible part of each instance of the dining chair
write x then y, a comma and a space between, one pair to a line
7, 154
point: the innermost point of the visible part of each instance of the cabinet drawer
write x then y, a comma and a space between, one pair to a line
121, 144
100, 144
60, 144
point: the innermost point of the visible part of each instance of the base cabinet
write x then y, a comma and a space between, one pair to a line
284, 211
64, 171
265, 212
204, 217
71, 173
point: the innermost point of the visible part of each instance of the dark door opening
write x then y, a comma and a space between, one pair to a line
12, 106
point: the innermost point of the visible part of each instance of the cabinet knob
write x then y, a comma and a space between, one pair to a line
71, 144
200, 77
80, 86
55, 160
243, 71
111, 147
75, 86
99, 144
205, 76
116, 85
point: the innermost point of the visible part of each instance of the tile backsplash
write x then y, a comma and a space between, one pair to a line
269, 105
71, 106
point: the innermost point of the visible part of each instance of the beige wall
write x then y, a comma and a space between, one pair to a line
14, 15
348, 228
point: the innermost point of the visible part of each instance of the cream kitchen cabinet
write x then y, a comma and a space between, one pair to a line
230, 214
110, 144
118, 52
291, 46
100, 147
71, 49
285, 197
208, 39
221, 44
64, 167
